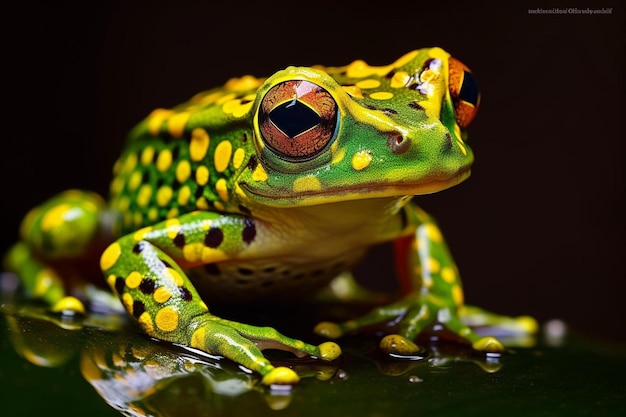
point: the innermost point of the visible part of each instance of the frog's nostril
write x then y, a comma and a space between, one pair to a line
398, 143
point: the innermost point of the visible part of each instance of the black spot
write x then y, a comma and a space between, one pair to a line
249, 231
175, 153
147, 286
415, 105
390, 74
245, 271
390, 111
185, 293
269, 269
199, 192
120, 284
244, 138
214, 237
252, 163
414, 86
179, 240
212, 269
244, 209
165, 263
138, 308
138, 247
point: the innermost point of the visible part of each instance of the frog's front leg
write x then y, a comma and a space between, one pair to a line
144, 269
430, 279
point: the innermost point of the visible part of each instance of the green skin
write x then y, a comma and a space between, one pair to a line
208, 190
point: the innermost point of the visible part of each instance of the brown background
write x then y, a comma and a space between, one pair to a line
537, 229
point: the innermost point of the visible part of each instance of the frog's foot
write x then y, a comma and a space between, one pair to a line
243, 344
412, 318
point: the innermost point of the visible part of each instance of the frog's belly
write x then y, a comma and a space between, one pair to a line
266, 280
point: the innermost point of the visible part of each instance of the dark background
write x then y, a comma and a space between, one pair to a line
538, 228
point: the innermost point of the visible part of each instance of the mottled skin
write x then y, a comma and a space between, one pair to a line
269, 187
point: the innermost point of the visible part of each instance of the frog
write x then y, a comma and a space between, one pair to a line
267, 188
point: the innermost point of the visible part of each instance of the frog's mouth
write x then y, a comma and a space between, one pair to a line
280, 197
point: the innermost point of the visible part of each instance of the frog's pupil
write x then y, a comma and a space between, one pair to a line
469, 89
293, 118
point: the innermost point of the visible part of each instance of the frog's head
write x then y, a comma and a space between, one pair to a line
335, 134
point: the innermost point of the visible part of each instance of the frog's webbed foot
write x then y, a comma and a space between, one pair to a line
244, 344
411, 317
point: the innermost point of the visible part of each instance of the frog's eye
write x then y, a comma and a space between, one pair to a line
297, 119
464, 92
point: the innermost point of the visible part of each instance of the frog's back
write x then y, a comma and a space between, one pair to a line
184, 159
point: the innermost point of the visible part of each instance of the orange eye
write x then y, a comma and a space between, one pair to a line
464, 92
297, 119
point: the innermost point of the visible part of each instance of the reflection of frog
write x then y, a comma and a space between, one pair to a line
273, 186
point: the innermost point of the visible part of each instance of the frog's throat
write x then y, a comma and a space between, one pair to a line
280, 197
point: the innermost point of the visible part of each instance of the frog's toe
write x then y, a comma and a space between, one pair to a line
68, 306
281, 376
400, 345
489, 345
329, 351
329, 330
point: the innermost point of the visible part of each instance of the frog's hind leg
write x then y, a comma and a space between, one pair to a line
60, 231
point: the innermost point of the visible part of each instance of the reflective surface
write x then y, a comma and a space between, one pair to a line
101, 365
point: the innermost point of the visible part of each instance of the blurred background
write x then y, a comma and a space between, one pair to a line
537, 229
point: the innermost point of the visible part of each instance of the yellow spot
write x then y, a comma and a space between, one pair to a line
183, 171
433, 233
222, 155
222, 189
173, 212
306, 183
133, 280
176, 124
175, 277
198, 337
153, 214
238, 157
202, 175
111, 280
199, 144
245, 83
138, 219
457, 295
381, 95
172, 227
156, 119
202, 203
167, 319
127, 300
110, 256
448, 274
353, 90
116, 186
141, 234
135, 181
433, 265
164, 195
338, 156
144, 195
369, 83
130, 163
400, 79
164, 160
219, 206
147, 155
161, 295
54, 217
224, 98
45, 279
194, 252
183, 195
145, 321
361, 160
259, 173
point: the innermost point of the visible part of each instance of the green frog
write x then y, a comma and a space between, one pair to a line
270, 187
